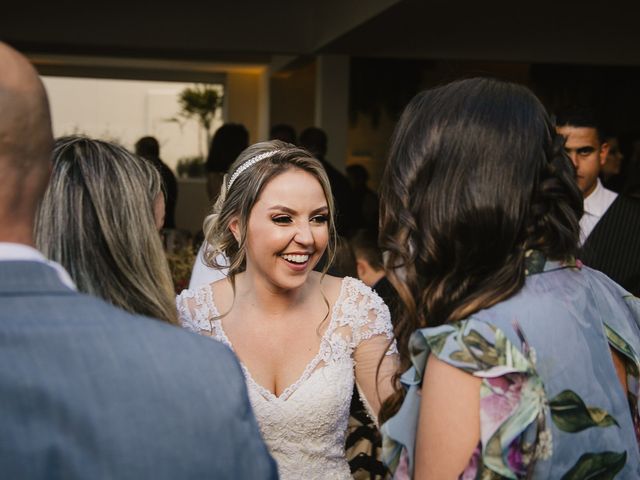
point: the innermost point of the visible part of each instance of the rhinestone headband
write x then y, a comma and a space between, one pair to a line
249, 164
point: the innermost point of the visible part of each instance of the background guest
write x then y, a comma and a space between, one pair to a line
315, 140
610, 224
344, 261
284, 132
227, 143
370, 266
366, 200
611, 170
149, 148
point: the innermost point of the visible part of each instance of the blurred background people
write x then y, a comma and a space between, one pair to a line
149, 148
610, 172
315, 141
370, 267
344, 261
226, 144
366, 200
283, 132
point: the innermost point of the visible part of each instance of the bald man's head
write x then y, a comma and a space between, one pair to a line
26, 141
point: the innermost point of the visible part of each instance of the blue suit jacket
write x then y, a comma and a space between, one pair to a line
88, 391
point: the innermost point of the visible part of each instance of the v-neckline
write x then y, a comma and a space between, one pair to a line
309, 369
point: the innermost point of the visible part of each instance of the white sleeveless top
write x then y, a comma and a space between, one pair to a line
305, 426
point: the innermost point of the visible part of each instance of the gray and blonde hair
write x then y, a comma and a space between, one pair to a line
241, 190
96, 219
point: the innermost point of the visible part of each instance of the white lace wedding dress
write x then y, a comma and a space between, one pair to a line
305, 426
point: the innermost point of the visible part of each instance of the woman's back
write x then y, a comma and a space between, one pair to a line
549, 386
522, 369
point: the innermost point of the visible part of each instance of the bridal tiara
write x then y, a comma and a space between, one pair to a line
249, 164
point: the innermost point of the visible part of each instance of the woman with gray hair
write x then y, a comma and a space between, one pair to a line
100, 218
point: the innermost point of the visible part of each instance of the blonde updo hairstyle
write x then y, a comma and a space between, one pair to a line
237, 200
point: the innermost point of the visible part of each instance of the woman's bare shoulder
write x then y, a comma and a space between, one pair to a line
331, 286
222, 292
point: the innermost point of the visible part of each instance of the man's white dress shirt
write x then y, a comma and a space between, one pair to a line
595, 206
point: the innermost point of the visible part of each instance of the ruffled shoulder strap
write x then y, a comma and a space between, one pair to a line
509, 379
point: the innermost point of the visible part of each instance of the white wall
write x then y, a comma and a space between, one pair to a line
124, 111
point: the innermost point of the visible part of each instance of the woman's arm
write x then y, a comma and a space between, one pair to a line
374, 346
375, 384
449, 423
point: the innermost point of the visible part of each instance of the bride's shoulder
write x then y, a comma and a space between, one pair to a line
341, 289
329, 283
212, 293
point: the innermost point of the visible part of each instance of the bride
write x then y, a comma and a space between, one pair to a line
302, 337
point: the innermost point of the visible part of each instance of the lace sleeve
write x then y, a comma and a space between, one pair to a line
372, 339
196, 309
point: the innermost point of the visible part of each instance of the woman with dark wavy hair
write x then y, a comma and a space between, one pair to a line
522, 363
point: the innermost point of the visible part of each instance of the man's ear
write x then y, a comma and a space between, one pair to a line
234, 226
604, 151
361, 268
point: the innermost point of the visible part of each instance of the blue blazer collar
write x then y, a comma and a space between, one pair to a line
30, 277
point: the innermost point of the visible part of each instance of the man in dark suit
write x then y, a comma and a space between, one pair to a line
610, 225
86, 389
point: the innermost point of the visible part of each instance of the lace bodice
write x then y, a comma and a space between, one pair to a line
305, 425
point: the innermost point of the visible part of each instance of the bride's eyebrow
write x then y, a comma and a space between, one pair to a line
283, 208
322, 209
290, 211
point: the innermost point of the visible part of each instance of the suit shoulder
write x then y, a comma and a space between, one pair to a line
111, 318
629, 204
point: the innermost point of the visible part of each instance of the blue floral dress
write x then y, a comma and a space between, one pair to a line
551, 404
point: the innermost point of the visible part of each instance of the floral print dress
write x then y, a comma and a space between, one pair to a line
551, 403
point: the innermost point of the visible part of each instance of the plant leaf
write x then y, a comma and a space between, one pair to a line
570, 414
600, 466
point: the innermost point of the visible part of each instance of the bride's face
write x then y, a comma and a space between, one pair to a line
288, 229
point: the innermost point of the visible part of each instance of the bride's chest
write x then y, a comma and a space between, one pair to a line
276, 359
317, 405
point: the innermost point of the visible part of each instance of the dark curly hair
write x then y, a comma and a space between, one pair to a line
476, 176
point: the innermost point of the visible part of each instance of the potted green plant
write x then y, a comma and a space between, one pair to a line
198, 102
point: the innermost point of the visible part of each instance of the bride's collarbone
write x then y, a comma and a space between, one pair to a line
293, 325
